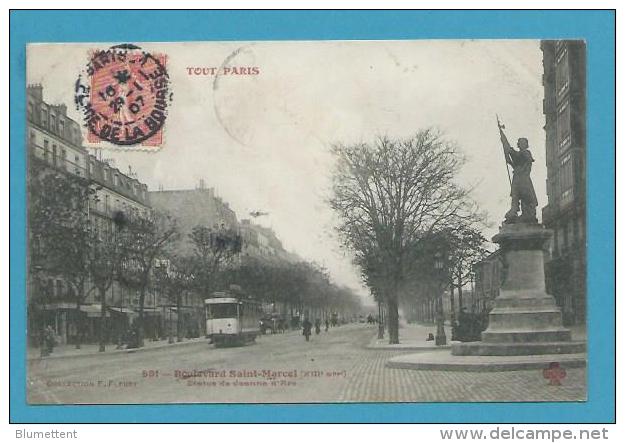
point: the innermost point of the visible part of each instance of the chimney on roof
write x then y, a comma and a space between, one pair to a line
36, 90
62, 108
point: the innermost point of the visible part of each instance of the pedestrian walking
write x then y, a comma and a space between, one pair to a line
307, 328
317, 326
49, 339
327, 325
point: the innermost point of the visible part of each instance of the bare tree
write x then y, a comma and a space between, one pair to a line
103, 263
59, 240
145, 239
389, 194
214, 250
175, 276
466, 247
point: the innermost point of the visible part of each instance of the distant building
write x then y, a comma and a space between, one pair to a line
255, 241
488, 275
262, 242
564, 107
194, 207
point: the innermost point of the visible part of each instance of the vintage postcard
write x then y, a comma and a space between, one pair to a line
306, 222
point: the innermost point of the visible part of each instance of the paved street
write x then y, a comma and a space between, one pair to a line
332, 367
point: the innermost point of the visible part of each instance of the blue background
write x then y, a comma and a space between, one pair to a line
596, 27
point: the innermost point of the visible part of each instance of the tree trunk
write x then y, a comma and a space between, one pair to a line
80, 326
393, 321
452, 302
141, 318
432, 310
78, 322
460, 305
179, 319
102, 319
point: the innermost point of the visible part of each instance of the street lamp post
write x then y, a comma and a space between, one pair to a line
439, 265
380, 321
171, 326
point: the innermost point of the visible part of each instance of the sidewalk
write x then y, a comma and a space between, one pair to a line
70, 351
412, 337
445, 361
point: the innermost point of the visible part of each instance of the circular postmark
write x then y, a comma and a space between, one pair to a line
124, 94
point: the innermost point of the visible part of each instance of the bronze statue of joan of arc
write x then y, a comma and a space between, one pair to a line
522, 190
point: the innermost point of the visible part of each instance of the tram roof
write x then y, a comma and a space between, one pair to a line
224, 300
220, 300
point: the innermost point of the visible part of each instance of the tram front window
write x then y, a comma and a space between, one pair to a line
223, 311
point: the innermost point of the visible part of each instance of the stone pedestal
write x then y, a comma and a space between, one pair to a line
525, 319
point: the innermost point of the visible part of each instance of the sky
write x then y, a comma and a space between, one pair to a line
262, 141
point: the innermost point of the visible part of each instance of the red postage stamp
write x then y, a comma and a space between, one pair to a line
124, 95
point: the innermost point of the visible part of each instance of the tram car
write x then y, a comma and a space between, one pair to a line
231, 320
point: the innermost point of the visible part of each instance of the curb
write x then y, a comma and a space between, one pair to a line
427, 363
400, 347
373, 345
120, 351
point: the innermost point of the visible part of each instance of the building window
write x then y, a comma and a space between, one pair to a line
30, 111
54, 154
53, 122
63, 158
62, 127
46, 150
44, 117
564, 125
565, 142
566, 180
116, 180
562, 73
106, 174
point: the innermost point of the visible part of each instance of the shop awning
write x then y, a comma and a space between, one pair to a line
61, 305
94, 310
150, 311
124, 311
185, 309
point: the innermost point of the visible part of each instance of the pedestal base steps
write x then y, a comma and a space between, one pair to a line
525, 320
525, 328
